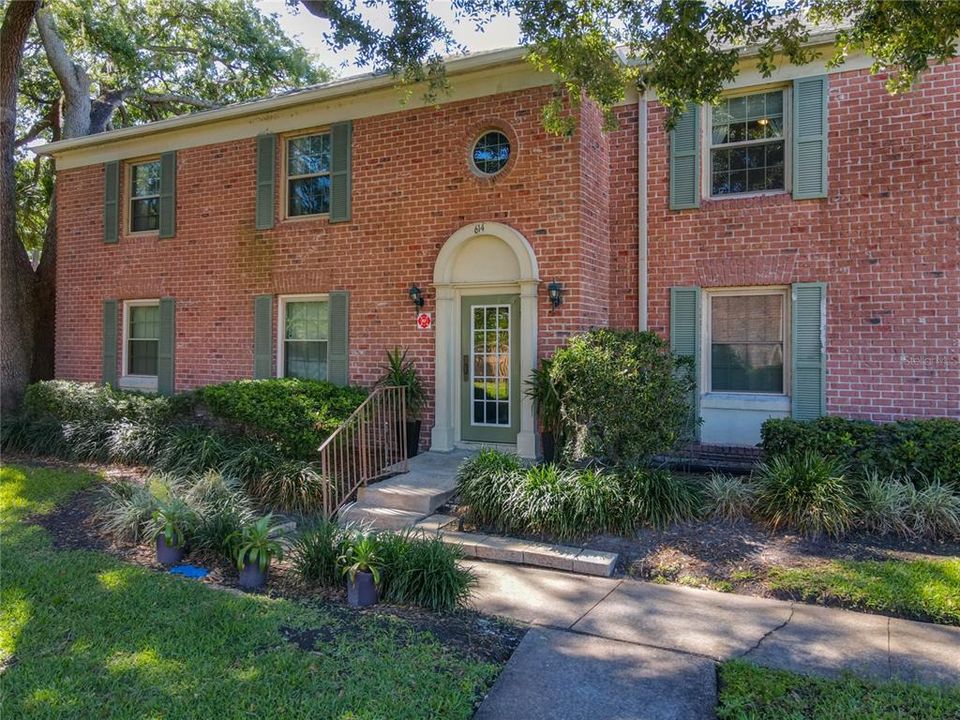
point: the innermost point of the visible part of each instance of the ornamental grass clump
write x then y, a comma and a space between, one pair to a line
316, 552
123, 509
807, 492
294, 486
484, 484
883, 504
934, 511
728, 497
658, 499
423, 572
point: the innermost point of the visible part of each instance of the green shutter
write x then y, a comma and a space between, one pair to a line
808, 350
166, 367
685, 341
341, 141
108, 372
338, 340
111, 202
262, 337
266, 183
810, 137
685, 161
168, 194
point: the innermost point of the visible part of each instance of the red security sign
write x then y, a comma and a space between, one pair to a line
424, 320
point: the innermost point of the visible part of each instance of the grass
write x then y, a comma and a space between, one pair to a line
747, 692
84, 635
922, 589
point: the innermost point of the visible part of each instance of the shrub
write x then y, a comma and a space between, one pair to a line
485, 481
541, 502
424, 572
317, 551
249, 460
934, 511
807, 492
40, 436
728, 497
292, 486
296, 414
625, 397
910, 449
657, 498
883, 504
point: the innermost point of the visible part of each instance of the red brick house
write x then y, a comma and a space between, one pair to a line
800, 240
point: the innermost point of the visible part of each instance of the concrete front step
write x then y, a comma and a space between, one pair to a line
422, 497
379, 518
524, 552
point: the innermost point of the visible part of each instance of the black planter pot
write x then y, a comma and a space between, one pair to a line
362, 590
548, 447
413, 437
167, 554
251, 576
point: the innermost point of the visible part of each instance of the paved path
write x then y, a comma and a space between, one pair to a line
606, 648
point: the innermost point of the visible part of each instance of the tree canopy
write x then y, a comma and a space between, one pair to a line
686, 49
145, 60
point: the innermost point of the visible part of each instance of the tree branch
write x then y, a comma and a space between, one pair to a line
73, 78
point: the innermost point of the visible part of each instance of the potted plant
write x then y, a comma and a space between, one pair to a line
546, 403
400, 372
172, 521
361, 564
255, 545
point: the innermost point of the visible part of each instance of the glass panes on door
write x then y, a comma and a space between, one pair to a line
490, 367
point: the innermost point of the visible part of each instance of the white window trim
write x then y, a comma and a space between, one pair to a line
706, 144
726, 397
134, 382
282, 301
130, 165
285, 191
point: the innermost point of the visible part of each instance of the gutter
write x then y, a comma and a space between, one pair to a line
642, 284
355, 85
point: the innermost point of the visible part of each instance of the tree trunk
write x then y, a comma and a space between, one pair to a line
17, 279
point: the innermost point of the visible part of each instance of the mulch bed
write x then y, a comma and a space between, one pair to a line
735, 557
468, 633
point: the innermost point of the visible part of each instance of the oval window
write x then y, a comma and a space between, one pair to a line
491, 152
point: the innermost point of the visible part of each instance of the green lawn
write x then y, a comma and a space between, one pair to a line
747, 692
924, 589
84, 635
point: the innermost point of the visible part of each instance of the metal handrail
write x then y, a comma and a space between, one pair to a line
368, 445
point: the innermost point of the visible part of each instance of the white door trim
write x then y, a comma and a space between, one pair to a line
445, 434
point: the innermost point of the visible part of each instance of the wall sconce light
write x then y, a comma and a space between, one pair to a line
416, 296
555, 292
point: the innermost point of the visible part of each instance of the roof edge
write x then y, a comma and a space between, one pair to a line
328, 91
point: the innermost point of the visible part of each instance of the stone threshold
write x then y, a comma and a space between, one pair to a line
521, 552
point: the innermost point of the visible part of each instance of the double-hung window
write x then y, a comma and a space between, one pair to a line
748, 136
747, 341
308, 175
304, 323
141, 341
145, 196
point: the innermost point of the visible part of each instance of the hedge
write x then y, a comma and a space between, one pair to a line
88, 421
924, 449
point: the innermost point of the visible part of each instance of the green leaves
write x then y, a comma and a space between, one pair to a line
622, 395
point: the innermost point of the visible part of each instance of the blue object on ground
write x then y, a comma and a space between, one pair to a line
190, 571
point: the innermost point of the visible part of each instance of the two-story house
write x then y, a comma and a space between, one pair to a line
800, 240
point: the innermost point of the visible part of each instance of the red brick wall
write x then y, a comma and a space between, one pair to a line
412, 189
886, 241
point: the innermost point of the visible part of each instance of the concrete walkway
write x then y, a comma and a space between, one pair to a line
607, 648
